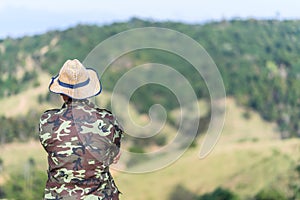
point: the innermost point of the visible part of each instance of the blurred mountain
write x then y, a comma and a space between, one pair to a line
258, 60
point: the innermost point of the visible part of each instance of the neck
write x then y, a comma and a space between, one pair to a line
66, 98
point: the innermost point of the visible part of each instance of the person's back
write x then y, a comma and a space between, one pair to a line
81, 141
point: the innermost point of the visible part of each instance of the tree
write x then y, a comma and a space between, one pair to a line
270, 194
219, 194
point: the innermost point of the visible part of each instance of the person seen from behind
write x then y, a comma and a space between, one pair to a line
81, 140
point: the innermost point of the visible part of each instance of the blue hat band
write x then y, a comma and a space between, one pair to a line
71, 86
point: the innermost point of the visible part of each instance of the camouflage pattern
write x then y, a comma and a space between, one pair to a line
81, 141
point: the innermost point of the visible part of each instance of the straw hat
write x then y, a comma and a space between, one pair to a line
76, 81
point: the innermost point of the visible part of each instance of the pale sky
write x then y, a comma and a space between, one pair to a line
27, 17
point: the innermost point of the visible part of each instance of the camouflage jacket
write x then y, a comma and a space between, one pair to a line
81, 141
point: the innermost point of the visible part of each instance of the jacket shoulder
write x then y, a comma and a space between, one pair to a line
104, 110
50, 111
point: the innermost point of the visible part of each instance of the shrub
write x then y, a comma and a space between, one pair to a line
136, 149
270, 194
160, 140
219, 194
180, 193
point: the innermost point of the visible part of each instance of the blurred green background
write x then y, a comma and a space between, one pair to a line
257, 156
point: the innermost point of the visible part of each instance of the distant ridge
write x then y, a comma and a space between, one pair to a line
258, 59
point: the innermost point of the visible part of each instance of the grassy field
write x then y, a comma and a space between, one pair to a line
248, 157
243, 170
16, 156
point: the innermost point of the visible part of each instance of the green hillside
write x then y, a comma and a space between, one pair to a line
258, 59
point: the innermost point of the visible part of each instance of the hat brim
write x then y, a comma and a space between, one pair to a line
93, 88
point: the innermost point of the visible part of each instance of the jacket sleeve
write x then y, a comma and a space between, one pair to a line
116, 130
45, 127
118, 133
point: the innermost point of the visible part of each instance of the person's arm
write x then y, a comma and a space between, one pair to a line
117, 139
116, 132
